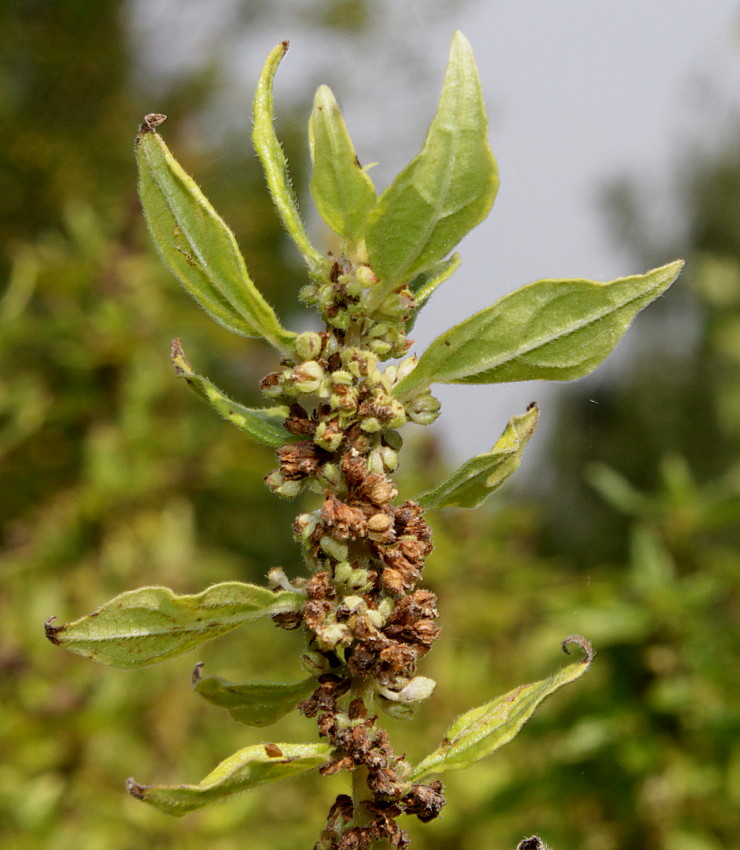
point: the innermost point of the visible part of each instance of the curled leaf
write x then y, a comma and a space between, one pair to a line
244, 770
147, 625
483, 730
262, 424
342, 190
553, 330
196, 244
252, 703
478, 477
274, 163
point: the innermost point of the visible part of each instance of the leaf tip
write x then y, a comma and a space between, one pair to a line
585, 645
135, 790
533, 843
178, 358
150, 123
197, 673
52, 631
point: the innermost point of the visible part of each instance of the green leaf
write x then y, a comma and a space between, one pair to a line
478, 477
253, 703
342, 190
445, 191
147, 625
244, 770
196, 244
275, 165
424, 284
553, 330
481, 731
264, 425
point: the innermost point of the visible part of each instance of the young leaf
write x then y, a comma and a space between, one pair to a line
264, 425
445, 191
342, 190
424, 284
252, 703
483, 730
478, 477
245, 769
147, 625
553, 330
196, 244
274, 164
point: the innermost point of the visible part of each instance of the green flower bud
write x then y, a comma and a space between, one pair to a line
389, 458
341, 378
375, 619
339, 320
375, 462
329, 636
366, 276
277, 482
371, 425
385, 608
307, 377
380, 347
424, 409
331, 475
309, 294
354, 604
304, 525
308, 345
334, 548
329, 435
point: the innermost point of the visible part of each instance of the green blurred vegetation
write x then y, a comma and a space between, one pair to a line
112, 475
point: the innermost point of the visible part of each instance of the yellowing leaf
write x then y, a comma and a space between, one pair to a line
478, 477
196, 244
245, 769
147, 625
481, 731
553, 330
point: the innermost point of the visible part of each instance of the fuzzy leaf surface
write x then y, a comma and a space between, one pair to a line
147, 625
342, 190
244, 770
446, 190
478, 477
253, 703
197, 246
553, 330
274, 163
483, 730
262, 424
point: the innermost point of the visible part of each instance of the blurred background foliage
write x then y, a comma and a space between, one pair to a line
112, 475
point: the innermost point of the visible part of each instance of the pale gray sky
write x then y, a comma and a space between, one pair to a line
578, 92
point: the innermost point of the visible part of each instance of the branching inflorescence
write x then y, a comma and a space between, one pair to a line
335, 424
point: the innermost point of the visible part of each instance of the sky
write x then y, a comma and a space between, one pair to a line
578, 93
